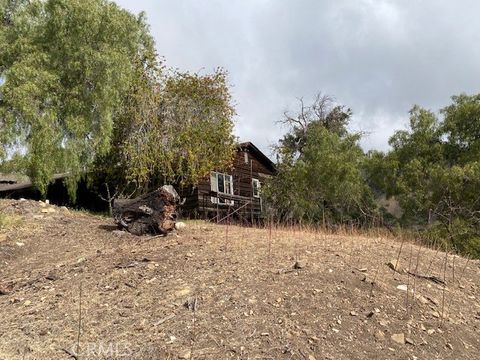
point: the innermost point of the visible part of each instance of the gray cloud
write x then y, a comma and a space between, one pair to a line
378, 57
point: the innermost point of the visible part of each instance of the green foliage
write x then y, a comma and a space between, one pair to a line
197, 116
323, 112
433, 170
320, 180
8, 221
83, 92
461, 126
66, 65
176, 130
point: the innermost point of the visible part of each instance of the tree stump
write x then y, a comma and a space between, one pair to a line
152, 213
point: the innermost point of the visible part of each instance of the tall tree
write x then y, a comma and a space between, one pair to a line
415, 155
461, 127
174, 130
322, 111
320, 170
66, 65
433, 170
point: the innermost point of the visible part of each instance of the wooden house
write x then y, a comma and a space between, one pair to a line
235, 193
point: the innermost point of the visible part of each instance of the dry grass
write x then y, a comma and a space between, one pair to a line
9, 221
244, 298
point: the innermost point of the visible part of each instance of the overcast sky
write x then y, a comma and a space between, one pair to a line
378, 57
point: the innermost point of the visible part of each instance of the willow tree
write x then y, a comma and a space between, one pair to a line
65, 67
176, 130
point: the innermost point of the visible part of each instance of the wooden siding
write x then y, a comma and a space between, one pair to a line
198, 201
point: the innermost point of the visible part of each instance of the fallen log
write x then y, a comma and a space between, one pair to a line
152, 213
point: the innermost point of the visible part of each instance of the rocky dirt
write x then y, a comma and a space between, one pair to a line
216, 292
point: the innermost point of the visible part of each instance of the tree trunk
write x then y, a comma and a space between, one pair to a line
152, 213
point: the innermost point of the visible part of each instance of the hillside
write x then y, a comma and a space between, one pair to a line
218, 292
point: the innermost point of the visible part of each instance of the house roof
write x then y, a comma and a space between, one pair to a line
260, 155
10, 182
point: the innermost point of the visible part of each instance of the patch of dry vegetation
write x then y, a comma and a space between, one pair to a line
7, 221
216, 292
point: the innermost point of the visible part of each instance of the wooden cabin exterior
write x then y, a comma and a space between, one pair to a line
235, 193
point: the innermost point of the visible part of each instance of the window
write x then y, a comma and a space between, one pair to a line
223, 184
256, 187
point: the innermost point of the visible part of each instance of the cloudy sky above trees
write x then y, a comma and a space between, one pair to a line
378, 57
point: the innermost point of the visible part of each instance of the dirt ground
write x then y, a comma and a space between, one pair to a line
225, 292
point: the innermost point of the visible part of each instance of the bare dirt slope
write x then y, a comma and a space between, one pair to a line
218, 292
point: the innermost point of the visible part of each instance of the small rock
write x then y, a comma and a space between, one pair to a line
422, 299
299, 264
398, 338
394, 265
435, 314
432, 300
180, 225
363, 269
4, 291
409, 341
81, 260
367, 279
186, 354
448, 345
379, 335
191, 304
311, 357
119, 232
27, 303
52, 277
20, 244
353, 313
264, 334
402, 287
431, 331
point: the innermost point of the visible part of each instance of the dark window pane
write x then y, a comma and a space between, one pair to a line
221, 184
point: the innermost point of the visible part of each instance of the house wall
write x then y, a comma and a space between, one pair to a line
198, 202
